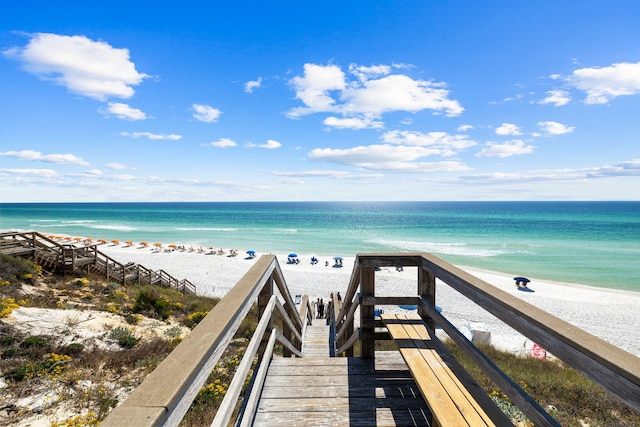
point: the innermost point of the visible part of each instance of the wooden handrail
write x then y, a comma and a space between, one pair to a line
614, 369
66, 256
166, 394
225, 411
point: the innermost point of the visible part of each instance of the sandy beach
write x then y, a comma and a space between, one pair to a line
612, 315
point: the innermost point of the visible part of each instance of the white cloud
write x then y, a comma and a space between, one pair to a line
85, 67
432, 139
152, 136
32, 155
398, 93
270, 144
368, 154
206, 113
507, 149
365, 73
314, 87
556, 97
602, 84
370, 93
508, 129
629, 168
41, 173
319, 173
386, 157
252, 85
464, 128
353, 123
124, 111
116, 166
222, 143
555, 128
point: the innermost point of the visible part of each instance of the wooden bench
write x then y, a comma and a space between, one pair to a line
453, 397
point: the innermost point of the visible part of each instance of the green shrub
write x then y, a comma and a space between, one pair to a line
151, 301
173, 332
194, 318
18, 374
124, 337
16, 269
35, 341
8, 353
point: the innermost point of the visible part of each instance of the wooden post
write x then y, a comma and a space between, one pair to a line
367, 288
427, 290
263, 300
349, 330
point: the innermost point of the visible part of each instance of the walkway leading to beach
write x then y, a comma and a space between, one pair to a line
320, 390
316, 340
331, 391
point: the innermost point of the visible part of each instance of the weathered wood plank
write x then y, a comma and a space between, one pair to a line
381, 417
340, 404
341, 391
394, 388
448, 399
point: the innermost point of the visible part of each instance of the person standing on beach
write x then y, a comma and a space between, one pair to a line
321, 309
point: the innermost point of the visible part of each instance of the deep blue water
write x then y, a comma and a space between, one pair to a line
593, 243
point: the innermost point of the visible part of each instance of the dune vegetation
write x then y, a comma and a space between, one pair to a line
104, 338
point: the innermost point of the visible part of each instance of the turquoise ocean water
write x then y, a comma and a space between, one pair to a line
592, 243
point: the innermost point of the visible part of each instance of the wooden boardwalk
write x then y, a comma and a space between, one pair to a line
319, 390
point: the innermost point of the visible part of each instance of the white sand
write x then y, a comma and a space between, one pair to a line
609, 314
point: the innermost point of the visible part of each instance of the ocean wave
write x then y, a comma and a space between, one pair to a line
113, 227
284, 230
205, 229
460, 249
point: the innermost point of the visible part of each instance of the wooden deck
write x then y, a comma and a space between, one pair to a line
319, 390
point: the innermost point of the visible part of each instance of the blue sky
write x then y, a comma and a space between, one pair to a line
359, 100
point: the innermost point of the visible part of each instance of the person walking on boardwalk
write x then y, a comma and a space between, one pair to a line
321, 309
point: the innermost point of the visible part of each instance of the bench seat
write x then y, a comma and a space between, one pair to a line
452, 398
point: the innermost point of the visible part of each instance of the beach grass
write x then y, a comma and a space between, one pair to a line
38, 359
570, 397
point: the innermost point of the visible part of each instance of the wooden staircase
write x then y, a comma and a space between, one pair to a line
320, 390
52, 255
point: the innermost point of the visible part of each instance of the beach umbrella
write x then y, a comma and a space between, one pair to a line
292, 255
337, 258
129, 243
173, 246
251, 252
521, 279
157, 245
102, 241
145, 244
116, 241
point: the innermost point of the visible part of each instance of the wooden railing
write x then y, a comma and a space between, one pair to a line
612, 368
49, 253
166, 394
